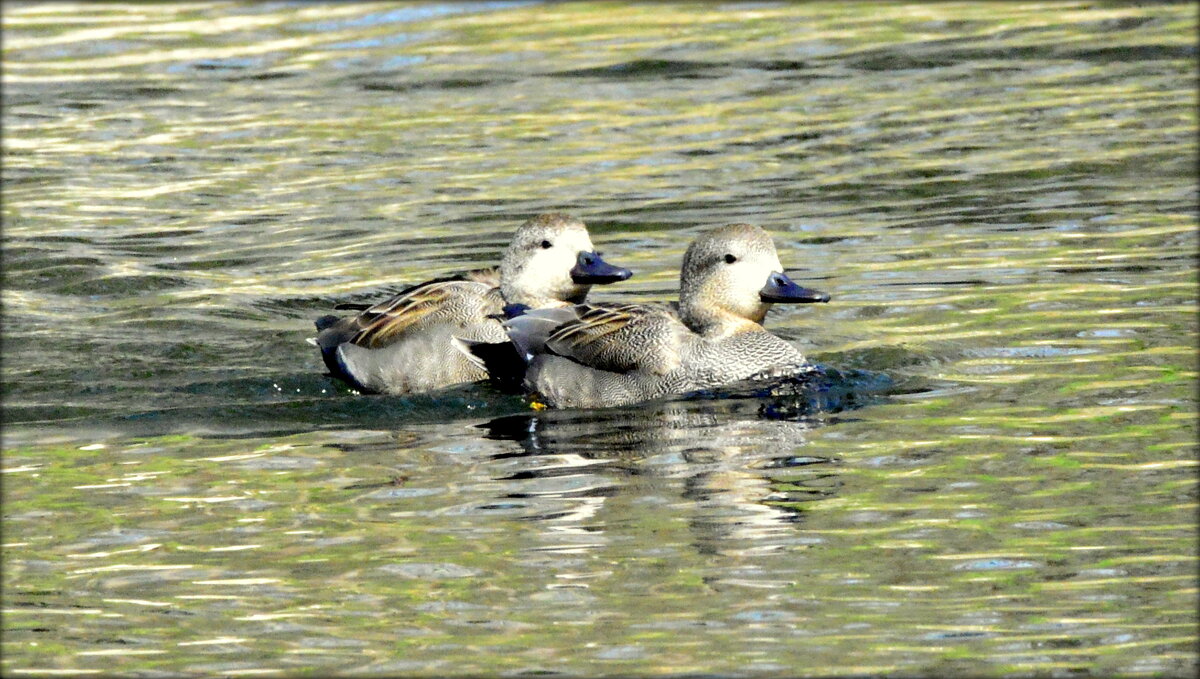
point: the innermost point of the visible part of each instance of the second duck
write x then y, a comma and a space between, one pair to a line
403, 344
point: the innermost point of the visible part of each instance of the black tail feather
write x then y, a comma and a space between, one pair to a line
504, 365
325, 321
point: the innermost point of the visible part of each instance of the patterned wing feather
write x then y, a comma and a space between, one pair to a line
443, 300
621, 338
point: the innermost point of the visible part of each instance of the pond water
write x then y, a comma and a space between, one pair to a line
998, 475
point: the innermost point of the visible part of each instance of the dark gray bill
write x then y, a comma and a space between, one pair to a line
589, 269
782, 290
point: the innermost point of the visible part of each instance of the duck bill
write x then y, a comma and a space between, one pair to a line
782, 290
589, 269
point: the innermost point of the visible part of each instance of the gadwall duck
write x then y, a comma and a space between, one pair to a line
403, 345
592, 355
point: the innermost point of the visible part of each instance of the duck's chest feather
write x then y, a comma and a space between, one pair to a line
715, 362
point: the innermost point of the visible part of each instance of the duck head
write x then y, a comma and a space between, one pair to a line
551, 261
731, 275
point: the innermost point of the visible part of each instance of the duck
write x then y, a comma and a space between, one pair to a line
613, 354
403, 344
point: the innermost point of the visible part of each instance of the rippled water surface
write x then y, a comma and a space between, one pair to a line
997, 476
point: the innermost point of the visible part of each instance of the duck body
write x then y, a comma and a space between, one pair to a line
406, 343
596, 355
403, 344
647, 353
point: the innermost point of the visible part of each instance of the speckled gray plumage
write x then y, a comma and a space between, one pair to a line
653, 357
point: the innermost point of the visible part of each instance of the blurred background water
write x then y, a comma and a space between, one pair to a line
998, 477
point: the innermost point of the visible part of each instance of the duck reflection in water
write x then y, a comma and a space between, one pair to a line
730, 469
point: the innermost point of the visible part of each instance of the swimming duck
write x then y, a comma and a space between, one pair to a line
592, 355
403, 344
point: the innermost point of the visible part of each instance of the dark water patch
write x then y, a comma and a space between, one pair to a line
926, 57
82, 105
147, 92
957, 635
495, 238
1135, 53
775, 142
27, 259
54, 414
152, 249
14, 103
59, 238
159, 163
333, 231
492, 210
824, 390
1116, 24
231, 63
181, 324
263, 76
671, 211
645, 69
626, 227
291, 414
248, 314
112, 286
482, 81
262, 218
1087, 267
970, 282
778, 65
220, 264
792, 496
791, 462
873, 360
266, 389
174, 233
53, 277
15, 178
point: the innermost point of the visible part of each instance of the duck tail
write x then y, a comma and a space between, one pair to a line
329, 337
504, 366
322, 323
325, 321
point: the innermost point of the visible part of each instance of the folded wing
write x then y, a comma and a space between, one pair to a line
620, 338
445, 301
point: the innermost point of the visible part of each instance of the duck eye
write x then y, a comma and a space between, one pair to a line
730, 259
546, 244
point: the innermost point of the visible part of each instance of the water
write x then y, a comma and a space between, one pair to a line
999, 476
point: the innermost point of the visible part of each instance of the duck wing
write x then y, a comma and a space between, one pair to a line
452, 300
489, 276
621, 338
